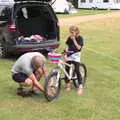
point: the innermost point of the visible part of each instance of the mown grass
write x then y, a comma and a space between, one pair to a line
101, 97
83, 12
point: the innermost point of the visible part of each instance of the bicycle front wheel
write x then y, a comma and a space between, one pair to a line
52, 86
83, 72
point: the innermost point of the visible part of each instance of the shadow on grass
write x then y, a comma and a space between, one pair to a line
12, 91
11, 57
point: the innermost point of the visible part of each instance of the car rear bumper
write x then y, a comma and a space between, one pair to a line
20, 48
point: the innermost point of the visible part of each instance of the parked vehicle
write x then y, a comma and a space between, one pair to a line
72, 9
27, 25
60, 6
99, 4
63, 6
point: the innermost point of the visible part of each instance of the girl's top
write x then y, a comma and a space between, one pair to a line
75, 54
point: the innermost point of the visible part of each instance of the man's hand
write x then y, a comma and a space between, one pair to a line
52, 91
36, 83
45, 71
38, 73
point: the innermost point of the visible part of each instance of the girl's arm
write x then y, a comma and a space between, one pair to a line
66, 49
76, 44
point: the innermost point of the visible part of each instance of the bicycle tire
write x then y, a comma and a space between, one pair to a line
50, 83
83, 71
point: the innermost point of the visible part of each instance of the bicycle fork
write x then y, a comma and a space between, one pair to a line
56, 81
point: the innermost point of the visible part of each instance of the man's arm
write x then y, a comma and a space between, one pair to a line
36, 83
45, 71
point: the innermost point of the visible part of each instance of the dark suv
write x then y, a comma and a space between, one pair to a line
27, 25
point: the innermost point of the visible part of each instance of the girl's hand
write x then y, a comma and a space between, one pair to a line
65, 58
73, 37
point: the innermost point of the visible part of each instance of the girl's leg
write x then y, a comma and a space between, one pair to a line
77, 71
80, 88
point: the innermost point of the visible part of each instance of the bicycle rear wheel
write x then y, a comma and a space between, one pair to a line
83, 72
52, 86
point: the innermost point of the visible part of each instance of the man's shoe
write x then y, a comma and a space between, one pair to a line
30, 93
22, 93
20, 89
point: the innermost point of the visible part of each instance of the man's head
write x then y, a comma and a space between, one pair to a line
37, 62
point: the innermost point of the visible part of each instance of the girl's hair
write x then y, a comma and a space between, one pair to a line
74, 28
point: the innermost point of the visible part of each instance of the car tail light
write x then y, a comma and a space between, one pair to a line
55, 46
12, 27
23, 49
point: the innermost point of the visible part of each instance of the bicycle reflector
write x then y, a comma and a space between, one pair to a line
54, 57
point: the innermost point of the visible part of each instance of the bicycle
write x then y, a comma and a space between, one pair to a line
52, 85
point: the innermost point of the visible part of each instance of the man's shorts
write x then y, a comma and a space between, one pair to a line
19, 77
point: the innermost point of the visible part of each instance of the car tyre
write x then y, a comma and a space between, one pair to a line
3, 50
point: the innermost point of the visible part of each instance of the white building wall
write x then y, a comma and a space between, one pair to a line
112, 4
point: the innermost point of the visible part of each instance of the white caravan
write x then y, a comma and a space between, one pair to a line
60, 6
99, 4
63, 6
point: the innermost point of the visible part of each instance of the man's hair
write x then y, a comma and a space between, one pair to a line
37, 61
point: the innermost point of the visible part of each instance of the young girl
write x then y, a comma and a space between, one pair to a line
74, 43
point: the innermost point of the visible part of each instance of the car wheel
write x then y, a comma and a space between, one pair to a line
3, 50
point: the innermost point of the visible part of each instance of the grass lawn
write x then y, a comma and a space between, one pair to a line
82, 12
101, 97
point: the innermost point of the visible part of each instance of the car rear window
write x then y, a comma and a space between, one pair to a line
5, 13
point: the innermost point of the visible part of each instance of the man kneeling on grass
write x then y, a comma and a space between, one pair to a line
27, 70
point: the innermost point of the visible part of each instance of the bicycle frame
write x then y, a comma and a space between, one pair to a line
62, 64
